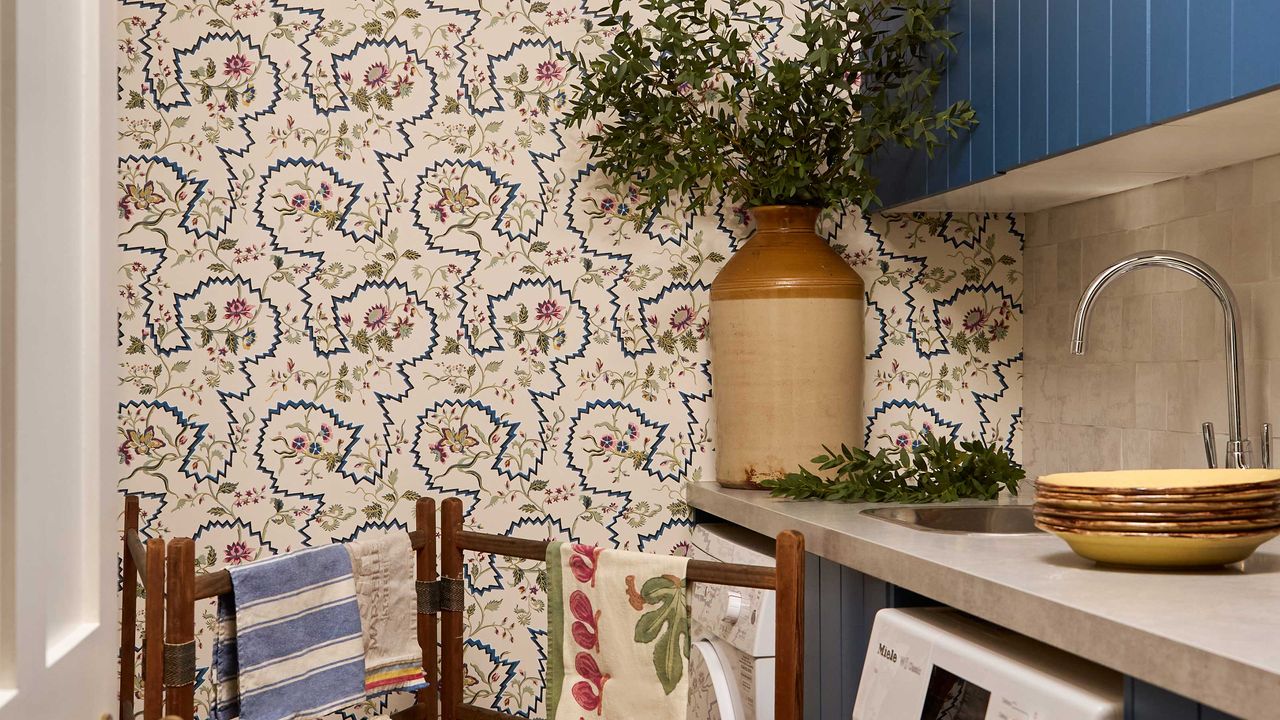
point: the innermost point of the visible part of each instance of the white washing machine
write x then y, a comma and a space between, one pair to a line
731, 662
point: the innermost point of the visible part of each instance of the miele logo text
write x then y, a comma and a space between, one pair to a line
888, 653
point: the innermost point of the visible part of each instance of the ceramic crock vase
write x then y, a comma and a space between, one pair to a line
786, 350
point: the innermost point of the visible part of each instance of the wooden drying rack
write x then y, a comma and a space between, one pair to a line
172, 587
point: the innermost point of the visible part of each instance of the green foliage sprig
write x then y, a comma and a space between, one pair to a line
697, 102
935, 470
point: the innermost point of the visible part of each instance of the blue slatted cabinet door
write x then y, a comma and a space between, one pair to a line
1209, 56
1255, 64
1034, 68
959, 86
1094, 70
1169, 46
1003, 123
1063, 92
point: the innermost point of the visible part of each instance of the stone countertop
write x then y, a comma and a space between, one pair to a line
1212, 636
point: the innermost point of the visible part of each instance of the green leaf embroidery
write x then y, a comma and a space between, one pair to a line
666, 626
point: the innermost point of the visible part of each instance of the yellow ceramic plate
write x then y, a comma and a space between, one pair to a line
1073, 502
1269, 511
1230, 495
1190, 482
1190, 526
1163, 551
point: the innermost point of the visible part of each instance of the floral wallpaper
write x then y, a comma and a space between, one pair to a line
360, 261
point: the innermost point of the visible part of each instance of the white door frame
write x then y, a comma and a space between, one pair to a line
58, 502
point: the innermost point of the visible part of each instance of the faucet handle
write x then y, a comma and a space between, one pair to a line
1266, 445
1210, 444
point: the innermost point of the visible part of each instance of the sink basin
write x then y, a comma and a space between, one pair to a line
964, 519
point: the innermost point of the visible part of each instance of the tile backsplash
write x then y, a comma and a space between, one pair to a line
1155, 367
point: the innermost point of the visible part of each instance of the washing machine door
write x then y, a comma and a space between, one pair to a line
713, 692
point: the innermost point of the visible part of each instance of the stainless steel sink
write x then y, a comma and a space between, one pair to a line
961, 519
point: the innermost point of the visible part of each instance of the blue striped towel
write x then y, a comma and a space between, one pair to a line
289, 640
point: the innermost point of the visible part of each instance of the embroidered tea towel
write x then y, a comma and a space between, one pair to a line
289, 641
620, 615
384, 570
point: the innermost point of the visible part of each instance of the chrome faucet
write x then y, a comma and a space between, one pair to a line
1238, 451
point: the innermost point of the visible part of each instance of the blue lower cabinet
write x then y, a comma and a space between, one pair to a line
840, 609
1143, 701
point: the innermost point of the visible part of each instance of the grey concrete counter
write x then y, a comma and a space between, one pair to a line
1212, 636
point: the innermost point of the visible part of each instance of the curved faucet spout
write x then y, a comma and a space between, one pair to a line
1238, 444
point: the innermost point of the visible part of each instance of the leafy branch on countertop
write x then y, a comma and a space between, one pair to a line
935, 470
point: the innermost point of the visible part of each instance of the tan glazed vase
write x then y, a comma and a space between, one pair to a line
786, 350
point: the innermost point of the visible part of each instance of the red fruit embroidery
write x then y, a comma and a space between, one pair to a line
584, 636
587, 668
583, 563
586, 696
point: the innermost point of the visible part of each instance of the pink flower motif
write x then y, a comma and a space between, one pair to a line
377, 317
236, 66
236, 553
580, 606
974, 319
548, 72
548, 310
377, 75
682, 317
237, 309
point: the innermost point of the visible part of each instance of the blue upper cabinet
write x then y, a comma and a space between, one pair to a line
1047, 76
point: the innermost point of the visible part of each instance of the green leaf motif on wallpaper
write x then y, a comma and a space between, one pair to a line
697, 101
935, 470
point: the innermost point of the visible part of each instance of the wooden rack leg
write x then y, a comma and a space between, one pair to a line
128, 611
153, 645
180, 625
789, 665
425, 522
450, 622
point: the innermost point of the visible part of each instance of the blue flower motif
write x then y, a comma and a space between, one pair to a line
314, 448
623, 446
314, 206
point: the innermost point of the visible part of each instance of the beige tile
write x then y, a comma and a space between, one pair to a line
1041, 393
1070, 282
1103, 251
1177, 450
1199, 195
1105, 335
1137, 329
1136, 449
1036, 230
1073, 221
1166, 326
1206, 237
1151, 395
1139, 207
1098, 394
1233, 186
1264, 321
1182, 397
1091, 448
1041, 263
1201, 325
1266, 180
1251, 244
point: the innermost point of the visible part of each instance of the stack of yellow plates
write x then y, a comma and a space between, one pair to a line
1161, 518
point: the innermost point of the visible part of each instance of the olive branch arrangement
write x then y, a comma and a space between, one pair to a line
935, 470
697, 103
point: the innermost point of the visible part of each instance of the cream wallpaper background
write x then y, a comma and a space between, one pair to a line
360, 261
